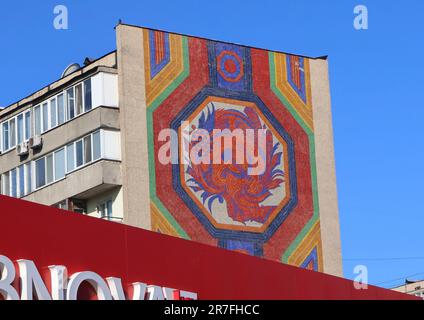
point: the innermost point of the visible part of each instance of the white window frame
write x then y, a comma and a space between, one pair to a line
28, 111
35, 118
31, 186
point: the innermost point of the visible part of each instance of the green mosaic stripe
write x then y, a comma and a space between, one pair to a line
152, 168
311, 138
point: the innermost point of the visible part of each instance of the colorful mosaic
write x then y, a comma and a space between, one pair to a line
194, 84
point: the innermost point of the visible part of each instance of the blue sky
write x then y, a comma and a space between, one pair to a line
377, 92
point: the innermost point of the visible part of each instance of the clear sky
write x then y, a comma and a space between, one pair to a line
377, 92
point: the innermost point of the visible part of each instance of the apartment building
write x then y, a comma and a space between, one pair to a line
415, 288
61, 145
91, 143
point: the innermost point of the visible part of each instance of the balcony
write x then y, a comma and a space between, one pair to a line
100, 117
84, 183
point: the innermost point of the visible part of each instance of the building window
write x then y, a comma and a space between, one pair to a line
87, 95
104, 209
49, 169
6, 184
60, 109
79, 206
27, 125
78, 99
96, 146
53, 113
79, 153
45, 117
87, 149
12, 133
37, 120
28, 178
13, 183
54, 166
59, 164
20, 120
71, 103
62, 205
70, 157
5, 136
40, 173
21, 171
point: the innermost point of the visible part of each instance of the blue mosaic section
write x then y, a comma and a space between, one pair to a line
311, 258
230, 66
156, 67
302, 90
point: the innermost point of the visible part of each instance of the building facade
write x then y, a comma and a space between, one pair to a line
101, 141
414, 288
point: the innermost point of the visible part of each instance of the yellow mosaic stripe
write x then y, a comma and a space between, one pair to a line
283, 85
159, 222
311, 240
155, 86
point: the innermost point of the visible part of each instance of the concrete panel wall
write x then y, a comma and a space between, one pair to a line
132, 101
326, 176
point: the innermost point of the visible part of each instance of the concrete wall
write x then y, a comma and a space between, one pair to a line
132, 100
326, 173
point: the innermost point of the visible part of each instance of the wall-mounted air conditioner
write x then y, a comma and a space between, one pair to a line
36, 142
22, 149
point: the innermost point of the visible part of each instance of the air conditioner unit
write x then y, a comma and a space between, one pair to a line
36, 142
22, 149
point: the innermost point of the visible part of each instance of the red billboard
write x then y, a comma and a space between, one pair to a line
47, 253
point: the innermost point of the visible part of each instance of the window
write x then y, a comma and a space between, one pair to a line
53, 113
27, 125
37, 120
12, 133
79, 206
79, 153
40, 173
49, 169
13, 183
104, 209
53, 167
60, 109
45, 117
59, 164
87, 95
70, 157
6, 184
20, 120
96, 145
78, 99
71, 103
28, 178
21, 171
62, 205
5, 136
87, 149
